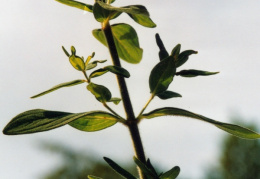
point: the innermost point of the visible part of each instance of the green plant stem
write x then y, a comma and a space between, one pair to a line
145, 106
86, 76
131, 120
122, 120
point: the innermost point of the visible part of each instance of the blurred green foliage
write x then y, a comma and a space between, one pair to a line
240, 159
76, 164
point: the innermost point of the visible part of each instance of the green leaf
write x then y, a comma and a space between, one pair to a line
230, 128
80, 5
76, 61
133, 9
171, 174
137, 12
100, 13
94, 122
117, 70
39, 120
93, 177
93, 64
97, 73
65, 51
183, 57
101, 93
119, 169
116, 101
195, 73
145, 169
126, 41
113, 69
143, 18
88, 59
67, 84
163, 52
168, 95
150, 166
176, 51
162, 75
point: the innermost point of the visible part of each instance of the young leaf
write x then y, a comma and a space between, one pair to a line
230, 128
118, 70
88, 59
94, 122
67, 84
150, 166
76, 61
162, 75
195, 73
92, 65
80, 5
148, 172
163, 52
126, 41
39, 120
171, 174
100, 13
119, 169
176, 51
65, 51
97, 73
168, 95
183, 57
101, 93
93, 177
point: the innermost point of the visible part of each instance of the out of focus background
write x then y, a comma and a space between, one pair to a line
225, 33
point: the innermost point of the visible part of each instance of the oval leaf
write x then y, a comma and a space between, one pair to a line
39, 120
168, 95
80, 5
119, 169
94, 122
171, 174
118, 70
195, 73
101, 93
162, 75
126, 41
230, 128
62, 85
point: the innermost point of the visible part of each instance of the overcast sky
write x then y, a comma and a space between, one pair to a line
225, 33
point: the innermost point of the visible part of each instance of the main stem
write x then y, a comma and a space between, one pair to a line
131, 120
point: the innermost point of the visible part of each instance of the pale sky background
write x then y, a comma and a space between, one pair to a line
225, 33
